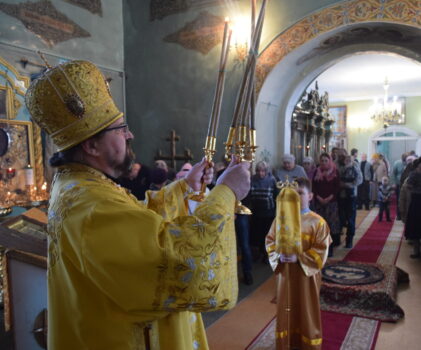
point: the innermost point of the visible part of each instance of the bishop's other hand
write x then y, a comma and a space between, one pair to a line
237, 177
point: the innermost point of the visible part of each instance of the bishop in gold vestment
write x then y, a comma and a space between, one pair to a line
304, 285
123, 274
171, 262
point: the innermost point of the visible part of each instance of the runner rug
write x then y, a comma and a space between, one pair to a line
374, 242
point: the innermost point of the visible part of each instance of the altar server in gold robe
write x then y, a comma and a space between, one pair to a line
124, 274
298, 284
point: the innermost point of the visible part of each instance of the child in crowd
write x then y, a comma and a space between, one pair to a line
385, 192
301, 285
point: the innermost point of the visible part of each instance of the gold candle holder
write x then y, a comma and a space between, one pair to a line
241, 209
210, 148
229, 143
239, 149
253, 147
241, 144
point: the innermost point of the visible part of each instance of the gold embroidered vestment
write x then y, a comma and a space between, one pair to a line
127, 275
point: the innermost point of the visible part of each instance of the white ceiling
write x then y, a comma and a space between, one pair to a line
361, 77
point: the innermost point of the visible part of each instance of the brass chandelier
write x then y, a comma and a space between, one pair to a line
388, 111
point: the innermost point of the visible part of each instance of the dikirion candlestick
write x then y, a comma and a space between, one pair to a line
241, 139
210, 141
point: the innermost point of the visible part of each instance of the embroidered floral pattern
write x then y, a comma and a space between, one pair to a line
198, 269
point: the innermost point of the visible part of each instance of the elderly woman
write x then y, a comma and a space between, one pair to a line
261, 199
408, 168
289, 170
326, 186
309, 167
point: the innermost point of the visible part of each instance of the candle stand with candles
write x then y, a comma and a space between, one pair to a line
210, 142
241, 140
15, 194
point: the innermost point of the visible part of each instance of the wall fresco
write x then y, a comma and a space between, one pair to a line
201, 34
43, 19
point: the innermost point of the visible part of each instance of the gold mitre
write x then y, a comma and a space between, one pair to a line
71, 102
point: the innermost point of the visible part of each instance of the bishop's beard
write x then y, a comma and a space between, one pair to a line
125, 167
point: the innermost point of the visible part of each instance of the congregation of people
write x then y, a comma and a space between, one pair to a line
342, 183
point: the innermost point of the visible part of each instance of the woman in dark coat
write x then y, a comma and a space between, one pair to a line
325, 192
261, 199
410, 207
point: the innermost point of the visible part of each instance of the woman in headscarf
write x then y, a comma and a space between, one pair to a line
410, 207
325, 190
309, 167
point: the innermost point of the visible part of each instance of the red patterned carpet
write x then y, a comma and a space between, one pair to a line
367, 249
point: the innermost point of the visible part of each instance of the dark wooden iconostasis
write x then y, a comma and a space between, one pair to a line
311, 126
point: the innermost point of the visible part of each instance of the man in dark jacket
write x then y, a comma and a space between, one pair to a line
364, 188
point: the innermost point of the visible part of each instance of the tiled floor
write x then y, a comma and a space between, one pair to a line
405, 334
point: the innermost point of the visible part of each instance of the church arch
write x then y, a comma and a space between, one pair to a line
298, 55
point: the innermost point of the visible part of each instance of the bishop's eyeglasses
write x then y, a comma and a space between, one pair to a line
123, 127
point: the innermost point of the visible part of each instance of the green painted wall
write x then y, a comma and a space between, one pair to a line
104, 46
360, 126
413, 111
170, 87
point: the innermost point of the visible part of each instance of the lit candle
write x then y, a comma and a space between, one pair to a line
10, 172
29, 175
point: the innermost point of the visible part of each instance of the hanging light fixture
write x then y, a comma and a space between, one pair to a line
387, 111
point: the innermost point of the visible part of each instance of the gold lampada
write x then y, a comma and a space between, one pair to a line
241, 140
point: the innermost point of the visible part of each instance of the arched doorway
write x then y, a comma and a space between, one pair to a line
297, 56
393, 141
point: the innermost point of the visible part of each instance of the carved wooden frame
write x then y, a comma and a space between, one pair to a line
11, 76
29, 138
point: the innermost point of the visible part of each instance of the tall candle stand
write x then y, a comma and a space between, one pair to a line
241, 140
